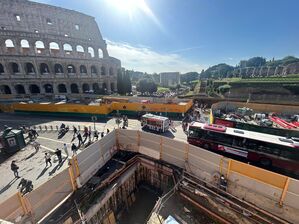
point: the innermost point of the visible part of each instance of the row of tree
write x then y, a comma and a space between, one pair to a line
124, 85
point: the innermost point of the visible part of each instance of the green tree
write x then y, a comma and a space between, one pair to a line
147, 85
120, 84
127, 83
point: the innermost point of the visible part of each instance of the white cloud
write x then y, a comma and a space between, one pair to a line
141, 58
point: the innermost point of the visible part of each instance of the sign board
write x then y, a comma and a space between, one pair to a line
11, 142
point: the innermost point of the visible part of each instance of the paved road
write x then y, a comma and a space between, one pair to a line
32, 164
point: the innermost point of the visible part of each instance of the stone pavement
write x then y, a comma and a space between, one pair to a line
32, 164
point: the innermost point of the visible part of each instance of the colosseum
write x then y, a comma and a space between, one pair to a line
47, 51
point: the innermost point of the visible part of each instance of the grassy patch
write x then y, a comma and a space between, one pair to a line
162, 89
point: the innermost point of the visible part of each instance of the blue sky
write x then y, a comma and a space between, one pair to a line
190, 35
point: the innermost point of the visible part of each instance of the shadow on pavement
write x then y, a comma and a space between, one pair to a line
8, 185
42, 173
57, 167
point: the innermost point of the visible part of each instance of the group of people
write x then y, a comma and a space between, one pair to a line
32, 134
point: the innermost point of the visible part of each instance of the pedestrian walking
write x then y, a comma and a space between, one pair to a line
89, 135
58, 154
65, 150
74, 149
75, 131
14, 168
79, 139
96, 135
102, 134
36, 146
48, 159
35, 134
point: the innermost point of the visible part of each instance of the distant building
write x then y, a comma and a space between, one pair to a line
168, 79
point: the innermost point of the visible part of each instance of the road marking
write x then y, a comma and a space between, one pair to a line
53, 140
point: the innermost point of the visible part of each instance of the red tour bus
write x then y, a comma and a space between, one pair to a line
268, 150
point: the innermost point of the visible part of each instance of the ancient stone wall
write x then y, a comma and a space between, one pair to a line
51, 50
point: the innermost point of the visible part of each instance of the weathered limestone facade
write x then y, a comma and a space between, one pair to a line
47, 50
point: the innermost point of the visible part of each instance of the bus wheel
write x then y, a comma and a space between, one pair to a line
265, 162
207, 146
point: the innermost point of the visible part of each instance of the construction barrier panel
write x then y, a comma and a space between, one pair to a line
11, 209
91, 159
49, 195
268, 190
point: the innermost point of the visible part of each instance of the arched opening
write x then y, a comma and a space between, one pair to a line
48, 88
25, 44
30, 70
20, 89
10, 47
44, 69
111, 72
91, 52
62, 88
94, 70
67, 48
9, 43
85, 88
58, 69
83, 69
74, 88
80, 49
71, 69
14, 68
34, 89
112, 87
4, 89
96, 88
100, 52
54, 48
103, 70
1, 69
104, 87
39, 47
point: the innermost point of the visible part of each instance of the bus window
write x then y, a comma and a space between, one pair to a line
290, 153
239, 142
251, 144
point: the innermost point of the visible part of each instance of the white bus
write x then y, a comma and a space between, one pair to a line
155, 123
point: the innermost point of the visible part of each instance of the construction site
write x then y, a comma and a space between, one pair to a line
136, 177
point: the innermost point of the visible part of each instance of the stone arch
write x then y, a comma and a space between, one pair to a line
74, 88
54, 47
111, 72
61, 88
58, 69
48, 88
34, 89
39, 47
103, 70
104, 86
1, 69
20, 89
29, 68
14, 67
91, 52
96, 88
71, 69
94, 70
85, 87
100, 52
83, 69
112, 86
5, 89
44, 69
24, 44
67, 48
79, 49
